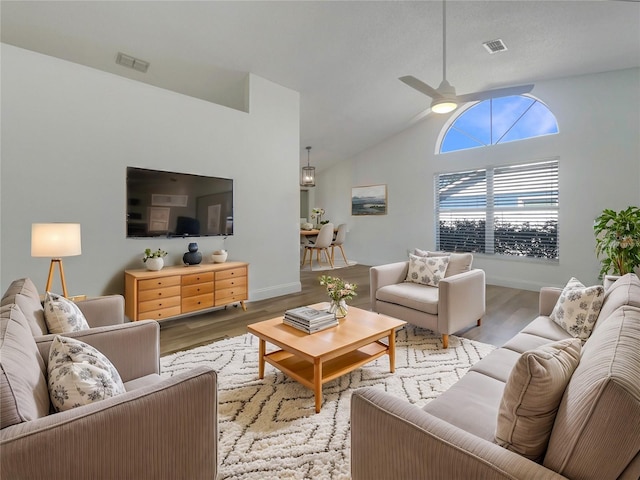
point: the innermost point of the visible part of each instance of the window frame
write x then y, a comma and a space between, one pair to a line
462, 110
490, 209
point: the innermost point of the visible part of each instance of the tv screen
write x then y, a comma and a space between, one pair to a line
170, 204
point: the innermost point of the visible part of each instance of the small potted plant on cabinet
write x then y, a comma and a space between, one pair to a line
154, 260
618, 242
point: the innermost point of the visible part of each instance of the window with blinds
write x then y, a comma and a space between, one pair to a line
510, 210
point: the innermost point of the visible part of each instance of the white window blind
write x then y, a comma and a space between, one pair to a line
511, 210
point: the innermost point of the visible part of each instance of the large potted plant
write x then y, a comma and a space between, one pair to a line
618, 240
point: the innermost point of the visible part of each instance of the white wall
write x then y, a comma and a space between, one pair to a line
599, 151
68, 134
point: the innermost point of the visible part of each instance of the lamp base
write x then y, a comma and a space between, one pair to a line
50, 278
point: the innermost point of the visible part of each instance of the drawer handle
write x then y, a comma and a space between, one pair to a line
160, 294
198, 303
159, 304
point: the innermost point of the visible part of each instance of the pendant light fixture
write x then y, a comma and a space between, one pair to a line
308, 178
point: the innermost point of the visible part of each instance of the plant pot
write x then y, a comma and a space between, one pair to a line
155, 263
609, 280
219, 256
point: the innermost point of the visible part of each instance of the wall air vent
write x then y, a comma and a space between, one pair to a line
131, 62
495, 46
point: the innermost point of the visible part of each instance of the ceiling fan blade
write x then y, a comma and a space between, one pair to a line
419, 85
498, 92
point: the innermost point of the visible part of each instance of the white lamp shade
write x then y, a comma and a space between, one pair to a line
443, 105
55, 240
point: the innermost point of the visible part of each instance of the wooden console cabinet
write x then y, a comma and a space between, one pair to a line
180, 290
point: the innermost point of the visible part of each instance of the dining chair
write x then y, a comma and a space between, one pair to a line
339, 242
321, 245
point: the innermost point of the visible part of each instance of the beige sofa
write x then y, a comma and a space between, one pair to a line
595, 434
457, 302
160, 428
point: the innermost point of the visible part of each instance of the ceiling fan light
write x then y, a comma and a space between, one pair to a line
443, 105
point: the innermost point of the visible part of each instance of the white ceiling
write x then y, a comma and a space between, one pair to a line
344, 57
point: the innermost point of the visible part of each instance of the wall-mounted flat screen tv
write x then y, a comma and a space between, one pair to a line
170, 204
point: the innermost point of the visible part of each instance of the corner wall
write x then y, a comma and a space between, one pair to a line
68, 134
599, 151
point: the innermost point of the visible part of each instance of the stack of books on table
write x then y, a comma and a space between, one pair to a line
310, 319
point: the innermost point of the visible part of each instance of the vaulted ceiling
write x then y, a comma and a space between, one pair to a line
344, 57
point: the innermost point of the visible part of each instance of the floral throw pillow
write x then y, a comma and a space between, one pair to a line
78, 374
577, 308
426, 270
63, 315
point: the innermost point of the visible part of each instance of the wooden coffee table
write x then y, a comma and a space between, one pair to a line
317, 358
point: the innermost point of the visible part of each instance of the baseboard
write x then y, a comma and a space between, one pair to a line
274, 291
516, 283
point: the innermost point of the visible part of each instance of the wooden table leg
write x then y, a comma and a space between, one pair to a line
392, 350
262, 348
317, 383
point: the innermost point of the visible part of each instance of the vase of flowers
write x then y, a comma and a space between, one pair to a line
154, 260
339, 292
317, 214
618, 240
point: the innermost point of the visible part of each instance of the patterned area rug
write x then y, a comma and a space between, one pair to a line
268, 428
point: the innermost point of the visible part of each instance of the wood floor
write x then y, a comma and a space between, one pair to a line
508, 311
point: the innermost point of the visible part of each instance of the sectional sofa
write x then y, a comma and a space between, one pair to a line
594, 433
158, 428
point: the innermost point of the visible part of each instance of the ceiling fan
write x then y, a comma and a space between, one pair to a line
444, 97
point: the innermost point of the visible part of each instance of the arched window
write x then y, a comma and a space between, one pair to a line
499, 120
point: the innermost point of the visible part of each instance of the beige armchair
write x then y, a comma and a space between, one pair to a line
457, 302
160, 428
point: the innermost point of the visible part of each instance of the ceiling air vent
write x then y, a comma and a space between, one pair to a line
495, 46
131, 62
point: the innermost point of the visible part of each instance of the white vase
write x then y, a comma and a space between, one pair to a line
220, 257
340, 308
155, 263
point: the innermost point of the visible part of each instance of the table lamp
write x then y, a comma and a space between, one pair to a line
55, 240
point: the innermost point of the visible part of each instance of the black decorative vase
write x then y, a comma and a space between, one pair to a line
193, 256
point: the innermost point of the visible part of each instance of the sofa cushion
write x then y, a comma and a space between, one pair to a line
577, 308
498, 364
458, 262
427, 270
412, 295
22, 286
545, 327
79, 374
532, 395
599, 412
624, 291
63, 315
23, 387
24, 293
470, 404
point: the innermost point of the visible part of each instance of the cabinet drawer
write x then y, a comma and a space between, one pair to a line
156, 293
158, 314
231, 282
228, 295
197, 289
192, 304
231, 273
159, 282
158, 304
194, 278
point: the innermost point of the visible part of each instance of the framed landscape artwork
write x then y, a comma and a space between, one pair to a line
369, 200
